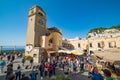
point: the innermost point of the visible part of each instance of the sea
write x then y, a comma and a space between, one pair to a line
11, 49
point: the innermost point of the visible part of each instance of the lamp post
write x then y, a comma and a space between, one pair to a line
0, 49
14, 49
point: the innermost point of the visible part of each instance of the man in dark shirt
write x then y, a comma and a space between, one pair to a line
31, 62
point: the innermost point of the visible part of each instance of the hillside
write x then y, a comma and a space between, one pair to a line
101, 29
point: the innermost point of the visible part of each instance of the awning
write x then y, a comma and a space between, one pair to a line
77, 52
64, 51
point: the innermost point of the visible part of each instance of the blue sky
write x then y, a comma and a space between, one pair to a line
74, 17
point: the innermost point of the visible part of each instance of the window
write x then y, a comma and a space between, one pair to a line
110, 45
114, 44
34, 55
99, 45
51, 41
40, 13
90, 44
78, 44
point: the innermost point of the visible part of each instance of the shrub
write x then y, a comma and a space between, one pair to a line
60, 77
28, 57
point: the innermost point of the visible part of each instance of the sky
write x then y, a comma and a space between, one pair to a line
74, 17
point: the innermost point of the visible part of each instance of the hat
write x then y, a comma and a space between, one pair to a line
107, 72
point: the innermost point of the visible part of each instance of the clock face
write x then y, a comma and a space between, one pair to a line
29, 47
41, 21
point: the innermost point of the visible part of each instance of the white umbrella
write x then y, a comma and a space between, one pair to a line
77, 52
60, 51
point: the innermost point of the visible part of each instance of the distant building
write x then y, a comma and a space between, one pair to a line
107, 40
109, 33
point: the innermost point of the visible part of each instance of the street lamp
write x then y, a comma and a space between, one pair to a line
0, 49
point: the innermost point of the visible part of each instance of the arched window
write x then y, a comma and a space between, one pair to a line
99, 45
40, 13
110, 44
51, 40
90, 44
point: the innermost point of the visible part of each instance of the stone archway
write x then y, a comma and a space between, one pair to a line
43, 55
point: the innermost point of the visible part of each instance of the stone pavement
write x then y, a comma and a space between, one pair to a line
73, 76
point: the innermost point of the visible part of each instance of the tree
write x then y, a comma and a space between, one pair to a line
88, 36
116, 27
100, 30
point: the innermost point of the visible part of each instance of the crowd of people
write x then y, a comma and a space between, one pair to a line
69, 64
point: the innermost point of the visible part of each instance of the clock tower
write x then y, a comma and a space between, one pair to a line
36, 29
36, 26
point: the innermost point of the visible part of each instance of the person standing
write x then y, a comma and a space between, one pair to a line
9, 71
54, 66
8, 57
31, 62
50, 70
46, 69
2, 65
11, 63
41, 69
23, 61
82, 64
34, 73
13, 57
18, 73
